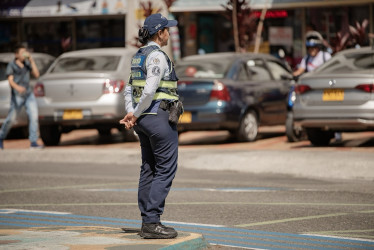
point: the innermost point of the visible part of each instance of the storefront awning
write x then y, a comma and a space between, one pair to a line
216, 5
46, 8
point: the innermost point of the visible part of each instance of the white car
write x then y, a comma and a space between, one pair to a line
83, 89
42, 61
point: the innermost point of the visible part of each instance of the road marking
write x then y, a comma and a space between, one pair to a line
291, 219
59, 187
236, 189
215, 234
189, 204
300, 218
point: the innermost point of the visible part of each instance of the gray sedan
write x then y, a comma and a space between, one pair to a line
337, 97
83, 89
42, 61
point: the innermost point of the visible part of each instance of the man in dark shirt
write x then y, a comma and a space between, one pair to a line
18, 73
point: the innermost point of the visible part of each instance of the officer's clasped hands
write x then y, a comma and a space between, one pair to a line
129, 121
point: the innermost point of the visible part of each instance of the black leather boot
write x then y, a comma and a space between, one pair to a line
157, 231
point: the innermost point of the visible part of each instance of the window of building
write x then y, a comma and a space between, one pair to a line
51, 37
100, 33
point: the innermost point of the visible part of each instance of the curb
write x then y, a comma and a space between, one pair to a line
82, 238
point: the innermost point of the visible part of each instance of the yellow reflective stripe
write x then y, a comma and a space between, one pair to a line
168, 84
138, 83
163, 84
160, 96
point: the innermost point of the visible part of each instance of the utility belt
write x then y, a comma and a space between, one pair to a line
175, 109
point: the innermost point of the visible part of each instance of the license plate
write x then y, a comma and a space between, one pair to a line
186, 117
333, 95
72, 115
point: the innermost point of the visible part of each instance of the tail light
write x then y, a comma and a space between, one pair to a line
219, 92
113, 86
39, 90
301, 89
366, 87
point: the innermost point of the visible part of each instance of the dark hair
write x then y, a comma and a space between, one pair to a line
18, 47
143, 35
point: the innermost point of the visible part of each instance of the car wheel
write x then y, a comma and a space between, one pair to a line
318, 137
248, 129
50, 135
293, 134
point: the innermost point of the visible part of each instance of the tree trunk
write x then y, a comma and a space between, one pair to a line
235, 25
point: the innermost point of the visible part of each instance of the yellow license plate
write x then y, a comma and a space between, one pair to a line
186, 117
72, 115
333, 95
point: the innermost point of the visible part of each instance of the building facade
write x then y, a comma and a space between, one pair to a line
54, 28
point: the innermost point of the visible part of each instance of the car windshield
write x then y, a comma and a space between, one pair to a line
3, 66
349, 63
89, 63
203, 68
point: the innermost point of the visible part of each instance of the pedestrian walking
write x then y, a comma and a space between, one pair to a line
18, 74
152, 102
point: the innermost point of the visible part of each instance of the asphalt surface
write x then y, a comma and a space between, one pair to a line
264, 195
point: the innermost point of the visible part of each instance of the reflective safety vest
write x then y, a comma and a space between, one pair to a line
167, 89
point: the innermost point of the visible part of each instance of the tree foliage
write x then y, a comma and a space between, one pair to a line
246, 19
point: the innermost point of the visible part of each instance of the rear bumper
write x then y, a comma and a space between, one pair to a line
354, 124
107, 109
217, 118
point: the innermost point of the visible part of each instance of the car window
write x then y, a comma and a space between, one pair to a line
3, 66
348, 63
277, 70
42, 64
243, 73
89, 63
204, 68
258, 70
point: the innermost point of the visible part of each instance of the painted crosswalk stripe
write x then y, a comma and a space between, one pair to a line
215, 234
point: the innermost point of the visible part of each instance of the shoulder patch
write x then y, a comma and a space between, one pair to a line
156, 60
156, 70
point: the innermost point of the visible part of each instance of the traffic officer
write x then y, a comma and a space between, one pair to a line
149, 96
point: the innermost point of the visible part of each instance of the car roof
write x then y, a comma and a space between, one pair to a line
227, 55
99, 51
9, 56
356, 50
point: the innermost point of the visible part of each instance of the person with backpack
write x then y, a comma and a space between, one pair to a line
315, 57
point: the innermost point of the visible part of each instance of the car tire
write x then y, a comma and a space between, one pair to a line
293, 134
50, 135
318, 137
248, 129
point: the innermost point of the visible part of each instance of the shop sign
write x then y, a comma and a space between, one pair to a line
38, 8
281, 36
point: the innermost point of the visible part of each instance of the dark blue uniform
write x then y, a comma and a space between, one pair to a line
158, 138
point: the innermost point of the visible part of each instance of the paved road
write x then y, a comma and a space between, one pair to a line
268, 195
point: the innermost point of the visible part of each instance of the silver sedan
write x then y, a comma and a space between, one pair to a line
83, 89
337, 97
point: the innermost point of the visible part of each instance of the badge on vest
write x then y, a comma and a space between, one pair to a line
156, 70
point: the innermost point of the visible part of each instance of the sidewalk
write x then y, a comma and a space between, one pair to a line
92, 238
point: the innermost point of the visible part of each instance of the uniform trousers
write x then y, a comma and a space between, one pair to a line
159, 148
